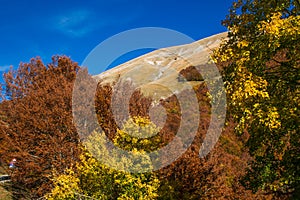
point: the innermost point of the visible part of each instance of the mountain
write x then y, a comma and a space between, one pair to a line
157, 73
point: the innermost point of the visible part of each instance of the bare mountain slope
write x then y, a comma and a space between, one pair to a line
157, 72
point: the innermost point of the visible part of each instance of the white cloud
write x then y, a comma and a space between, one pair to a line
4, 68
76, 23
80, 22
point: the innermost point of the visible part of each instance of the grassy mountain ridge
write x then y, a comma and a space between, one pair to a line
162, 67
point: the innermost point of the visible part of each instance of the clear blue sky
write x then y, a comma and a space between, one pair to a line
44, 28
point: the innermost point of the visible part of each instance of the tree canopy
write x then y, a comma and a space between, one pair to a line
39, 130
261, 62
256, 157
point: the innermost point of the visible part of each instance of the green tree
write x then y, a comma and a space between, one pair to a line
261, 61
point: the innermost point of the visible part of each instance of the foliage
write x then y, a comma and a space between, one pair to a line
261, 63
213, 177
65, 185
138, 133
188, 177
190, 73
91, 178
38, 130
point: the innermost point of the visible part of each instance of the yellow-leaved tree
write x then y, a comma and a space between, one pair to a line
92, 179
261, 67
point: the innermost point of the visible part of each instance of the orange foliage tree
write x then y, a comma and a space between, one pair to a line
39, 131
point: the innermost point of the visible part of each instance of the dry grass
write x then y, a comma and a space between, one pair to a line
156, 73
4, 194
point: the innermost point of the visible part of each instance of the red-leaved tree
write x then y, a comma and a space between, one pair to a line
39, 130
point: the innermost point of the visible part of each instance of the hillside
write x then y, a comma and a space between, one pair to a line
162, 67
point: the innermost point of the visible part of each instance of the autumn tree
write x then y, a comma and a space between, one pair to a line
261, 64
38, 112
189, 176
91, 178
4, 141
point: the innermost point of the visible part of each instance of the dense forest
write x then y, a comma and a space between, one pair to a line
256, 157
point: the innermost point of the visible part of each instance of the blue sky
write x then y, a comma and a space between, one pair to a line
45, 28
